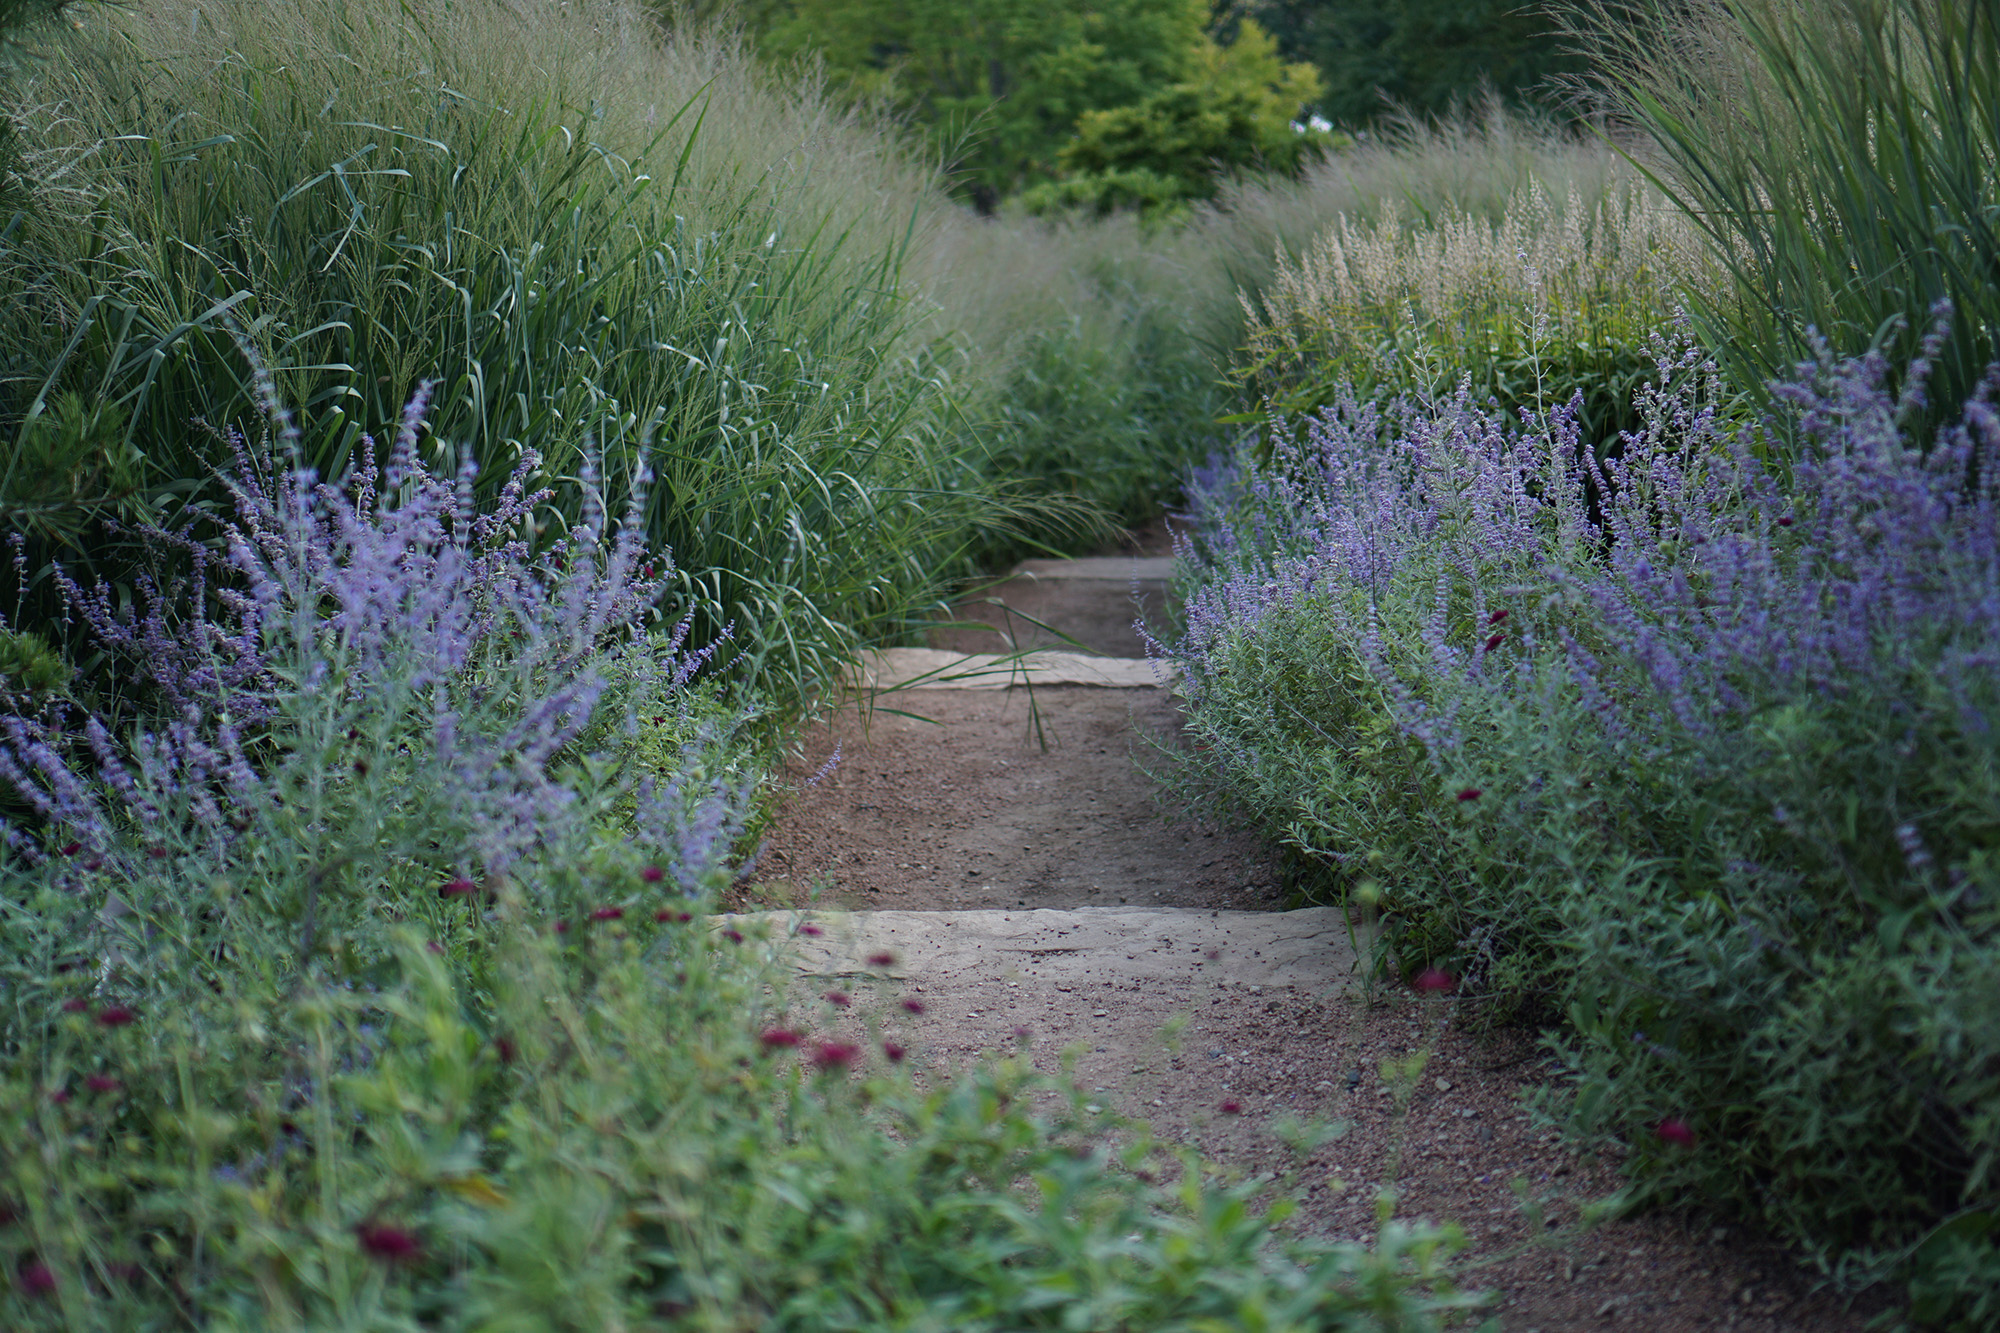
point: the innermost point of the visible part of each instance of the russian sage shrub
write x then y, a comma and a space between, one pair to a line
1690, 750
358, 693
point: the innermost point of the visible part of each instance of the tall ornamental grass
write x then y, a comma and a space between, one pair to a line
602, 243
1691, 754
373, 986
1842, 160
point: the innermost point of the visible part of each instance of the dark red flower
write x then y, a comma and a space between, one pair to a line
561, 928
37, 1279
100, 1082
607, 914
733, 935
685, 916
72, 848
1434, 980
60, 1096
1676, 1131
116, 1016
505, 1048
882, 959
434, 946
157, 853
839, 999
779, 1039
914, 1006
652, 874
1470, 794
834, 1056
1495, 640
387, 1242
1497, 617
75, 1005
811, 930
1785, 522
895, 1051
1232, 1107
666, 914
458, 888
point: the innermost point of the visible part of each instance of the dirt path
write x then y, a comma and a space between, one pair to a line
1035, 890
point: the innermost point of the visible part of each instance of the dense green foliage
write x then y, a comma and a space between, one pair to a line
1842, 159
1106, 104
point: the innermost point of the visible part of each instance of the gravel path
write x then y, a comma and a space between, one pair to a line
1005, 846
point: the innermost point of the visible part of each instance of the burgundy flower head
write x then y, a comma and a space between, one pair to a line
835, 1056
607, 914
1470, 794
75, 1005
100, 1083
505, 1048
1498, 617
652, 874
895, 1050
882, 959
1676, 1131
914, 1006
37, 1279
779, 1039
388, 1242
457, 888
1495, 640
1232, 1107
733, 935
1434, 980
117, 1016
839, 999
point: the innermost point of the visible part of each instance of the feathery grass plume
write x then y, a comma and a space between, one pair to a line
1546, 301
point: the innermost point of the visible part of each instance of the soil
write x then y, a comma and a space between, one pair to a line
996, 800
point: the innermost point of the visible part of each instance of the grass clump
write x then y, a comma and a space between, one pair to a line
1840, 160
607, 246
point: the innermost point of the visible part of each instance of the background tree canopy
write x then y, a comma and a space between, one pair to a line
1420, 55
1100, 102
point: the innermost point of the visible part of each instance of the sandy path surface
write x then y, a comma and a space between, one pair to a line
984, 827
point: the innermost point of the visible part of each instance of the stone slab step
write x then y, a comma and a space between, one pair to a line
1313, 947
936, 669
1123, 569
